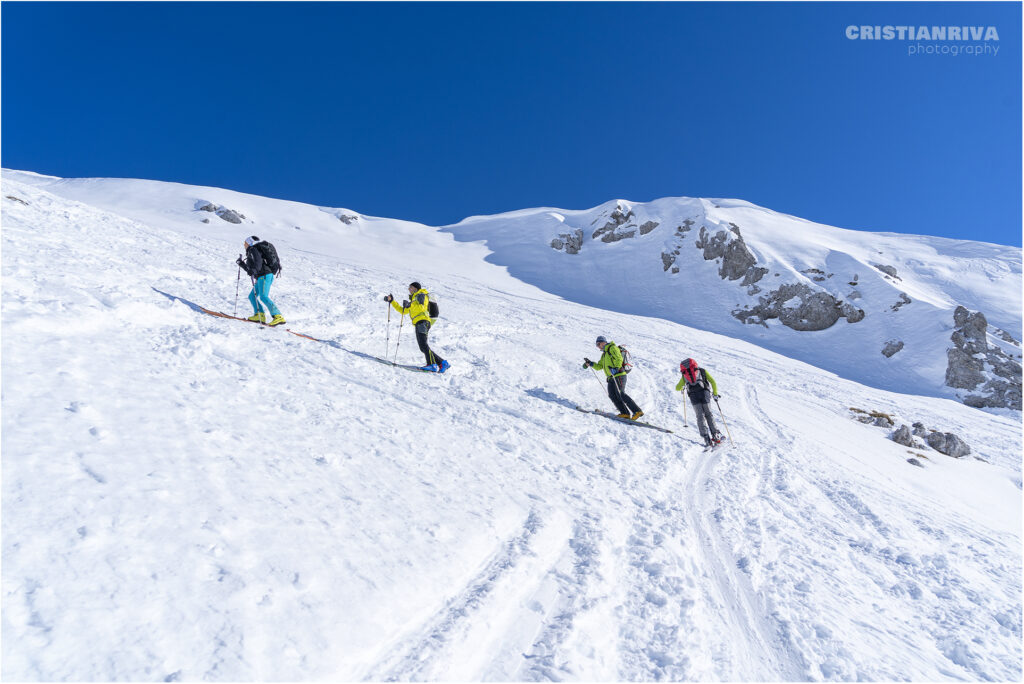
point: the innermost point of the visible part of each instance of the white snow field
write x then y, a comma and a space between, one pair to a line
194, 498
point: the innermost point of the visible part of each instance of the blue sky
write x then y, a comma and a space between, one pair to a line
434, 112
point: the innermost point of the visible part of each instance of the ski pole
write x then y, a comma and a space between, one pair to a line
238, 282
399, 340
387, 336
723, 422
685, 424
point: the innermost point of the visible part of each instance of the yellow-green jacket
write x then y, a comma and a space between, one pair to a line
610, 361
417, 308
699, 390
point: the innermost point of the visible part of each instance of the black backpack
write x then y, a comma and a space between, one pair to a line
269, 255
432, 309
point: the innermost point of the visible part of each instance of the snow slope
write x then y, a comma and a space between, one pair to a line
187, 497
659, 271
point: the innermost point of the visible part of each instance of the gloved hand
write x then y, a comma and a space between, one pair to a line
717, 396
388, 298
405, 304
587, 363
240, 263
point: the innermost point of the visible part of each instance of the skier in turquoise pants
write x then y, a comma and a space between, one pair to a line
259, 296
262, 264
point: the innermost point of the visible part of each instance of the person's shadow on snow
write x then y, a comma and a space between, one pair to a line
198, 309
538, 393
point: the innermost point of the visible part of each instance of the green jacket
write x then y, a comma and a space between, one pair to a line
610, 361
703, 371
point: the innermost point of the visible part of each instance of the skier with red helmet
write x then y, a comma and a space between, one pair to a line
701, 387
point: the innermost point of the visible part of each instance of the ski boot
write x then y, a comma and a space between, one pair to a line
257, 318
277, 320
623, 415
444, 366
432, 368
636, 415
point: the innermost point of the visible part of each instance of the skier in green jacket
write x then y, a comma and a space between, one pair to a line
611, 363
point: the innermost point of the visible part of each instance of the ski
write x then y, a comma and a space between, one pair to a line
623, 420
219, 314
386, 362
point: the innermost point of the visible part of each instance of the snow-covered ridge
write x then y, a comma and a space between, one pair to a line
192, 498
875, 307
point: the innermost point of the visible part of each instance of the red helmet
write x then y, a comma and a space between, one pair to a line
688, 364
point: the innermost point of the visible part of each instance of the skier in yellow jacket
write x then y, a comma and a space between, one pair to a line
418, 308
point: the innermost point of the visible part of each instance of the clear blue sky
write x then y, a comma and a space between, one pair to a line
434, 112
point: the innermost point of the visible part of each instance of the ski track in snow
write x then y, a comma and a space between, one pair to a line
240, 503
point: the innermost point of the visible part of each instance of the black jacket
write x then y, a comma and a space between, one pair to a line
255, 265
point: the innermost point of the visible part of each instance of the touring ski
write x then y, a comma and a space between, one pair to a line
219, 314
623, 420
415, 369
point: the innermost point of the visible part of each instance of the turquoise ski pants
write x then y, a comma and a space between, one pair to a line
260, 295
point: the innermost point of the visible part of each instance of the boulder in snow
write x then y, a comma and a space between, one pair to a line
949, 444
902, 436
891, 347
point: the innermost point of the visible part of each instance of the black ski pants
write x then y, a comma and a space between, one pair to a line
422, 328
617, 393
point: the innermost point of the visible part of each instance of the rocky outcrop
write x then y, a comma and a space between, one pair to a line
948, 443
816, 274
1005, 336
570, 242
973, 365
737, 259
610, 232
851, 313
798, 306
904, 300
229, 215
888, 270
348, 219
891, 347
619, 226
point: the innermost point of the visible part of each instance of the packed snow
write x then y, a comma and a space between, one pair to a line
188, 497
